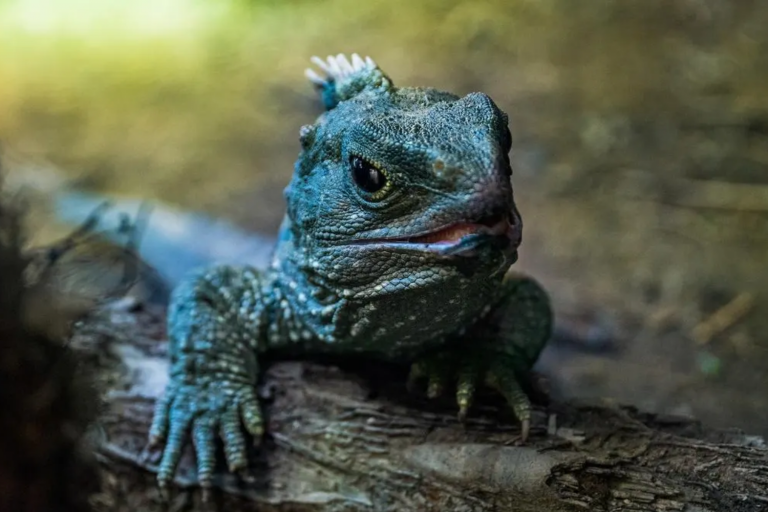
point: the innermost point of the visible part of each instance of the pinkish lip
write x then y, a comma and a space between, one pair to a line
453, 234
456, 232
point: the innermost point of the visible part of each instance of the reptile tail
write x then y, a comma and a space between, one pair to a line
172, 242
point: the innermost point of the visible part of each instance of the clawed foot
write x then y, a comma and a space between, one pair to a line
496, 371
202, 413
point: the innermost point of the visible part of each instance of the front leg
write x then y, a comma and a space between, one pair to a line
499, 349
215, 321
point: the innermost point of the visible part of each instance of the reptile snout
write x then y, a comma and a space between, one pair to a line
506, 222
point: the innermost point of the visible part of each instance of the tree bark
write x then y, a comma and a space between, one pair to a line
355, 440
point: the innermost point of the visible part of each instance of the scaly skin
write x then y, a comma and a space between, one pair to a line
400, 229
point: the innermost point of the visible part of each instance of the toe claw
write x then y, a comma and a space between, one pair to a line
163, 491
417, 372
234, 440
464, 400
158, 430
525, 429
244, 475
463, 408
154, 441
465, 391
251, 418
435, 387
505, 381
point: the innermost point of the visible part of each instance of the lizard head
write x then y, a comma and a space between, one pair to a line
402, 187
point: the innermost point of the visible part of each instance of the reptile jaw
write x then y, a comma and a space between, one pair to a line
462, 238
496, 225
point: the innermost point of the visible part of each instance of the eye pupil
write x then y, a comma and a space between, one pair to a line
366, 176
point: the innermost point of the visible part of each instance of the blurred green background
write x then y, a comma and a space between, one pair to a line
641, 148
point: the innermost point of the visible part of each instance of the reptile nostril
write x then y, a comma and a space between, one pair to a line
491, 220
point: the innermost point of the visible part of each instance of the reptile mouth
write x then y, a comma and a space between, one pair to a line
463, 238
496, 225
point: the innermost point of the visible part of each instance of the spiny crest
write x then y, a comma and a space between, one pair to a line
344, 79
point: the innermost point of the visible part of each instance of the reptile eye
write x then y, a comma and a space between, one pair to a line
366, 175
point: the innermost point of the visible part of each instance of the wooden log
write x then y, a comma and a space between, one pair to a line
354, 440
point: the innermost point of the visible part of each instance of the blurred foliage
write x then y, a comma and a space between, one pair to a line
640, 126
47, 399
145, 95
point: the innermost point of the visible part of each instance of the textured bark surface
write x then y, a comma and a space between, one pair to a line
353, 440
